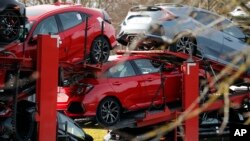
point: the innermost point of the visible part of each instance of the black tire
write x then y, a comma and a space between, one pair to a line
108, 112
88, 137
9, 26
100, 50
184, 44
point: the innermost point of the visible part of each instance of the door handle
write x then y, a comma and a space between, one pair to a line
117, 83
228, 38
149, 79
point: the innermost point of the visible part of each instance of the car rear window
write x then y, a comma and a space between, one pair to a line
203, 17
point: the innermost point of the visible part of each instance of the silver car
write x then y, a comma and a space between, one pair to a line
189, 29
139, 19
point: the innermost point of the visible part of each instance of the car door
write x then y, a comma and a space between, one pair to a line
127, 85
209, 38
234, 41
73, 27
150, 71
49, 25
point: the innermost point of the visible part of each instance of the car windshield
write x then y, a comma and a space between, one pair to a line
72, 128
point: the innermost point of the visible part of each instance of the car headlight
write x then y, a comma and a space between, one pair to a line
62, 97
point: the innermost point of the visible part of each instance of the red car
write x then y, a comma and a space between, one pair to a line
69, 22
127, 83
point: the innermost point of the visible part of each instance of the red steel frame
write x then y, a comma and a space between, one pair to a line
47, 67
190, 93
46, 88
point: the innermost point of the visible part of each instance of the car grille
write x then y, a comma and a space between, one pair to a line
75, 108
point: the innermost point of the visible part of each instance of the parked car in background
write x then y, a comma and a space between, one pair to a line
239, 12
12, 17
72, 130
128, 83
69, 22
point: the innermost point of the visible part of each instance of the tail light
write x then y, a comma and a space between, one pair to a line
84, 88
62, 95
88, 88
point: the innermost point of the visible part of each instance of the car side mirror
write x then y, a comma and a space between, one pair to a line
33, 40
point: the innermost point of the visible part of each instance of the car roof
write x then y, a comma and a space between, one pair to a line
121, 58
116, 59
42, 9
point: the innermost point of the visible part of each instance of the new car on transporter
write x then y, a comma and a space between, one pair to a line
69, 22
127, 83
185, 28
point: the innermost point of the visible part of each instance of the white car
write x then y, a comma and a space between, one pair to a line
239, 12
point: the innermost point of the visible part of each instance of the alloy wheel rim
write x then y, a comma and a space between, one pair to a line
185, 44
110, 112
101, 50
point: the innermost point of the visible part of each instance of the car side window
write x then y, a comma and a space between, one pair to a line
147, 66
203, 17
121, 70
229, 28
70, 19
47, 26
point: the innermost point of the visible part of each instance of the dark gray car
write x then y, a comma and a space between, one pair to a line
188, 29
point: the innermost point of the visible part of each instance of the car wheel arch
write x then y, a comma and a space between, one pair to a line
91, 44
187, 33
105, 37
113, 97
111, 115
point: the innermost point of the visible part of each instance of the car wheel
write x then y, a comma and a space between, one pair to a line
100, 50
9, 26
108, 112
185, 44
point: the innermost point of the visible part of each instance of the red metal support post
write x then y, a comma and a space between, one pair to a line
46, 87
190, 93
